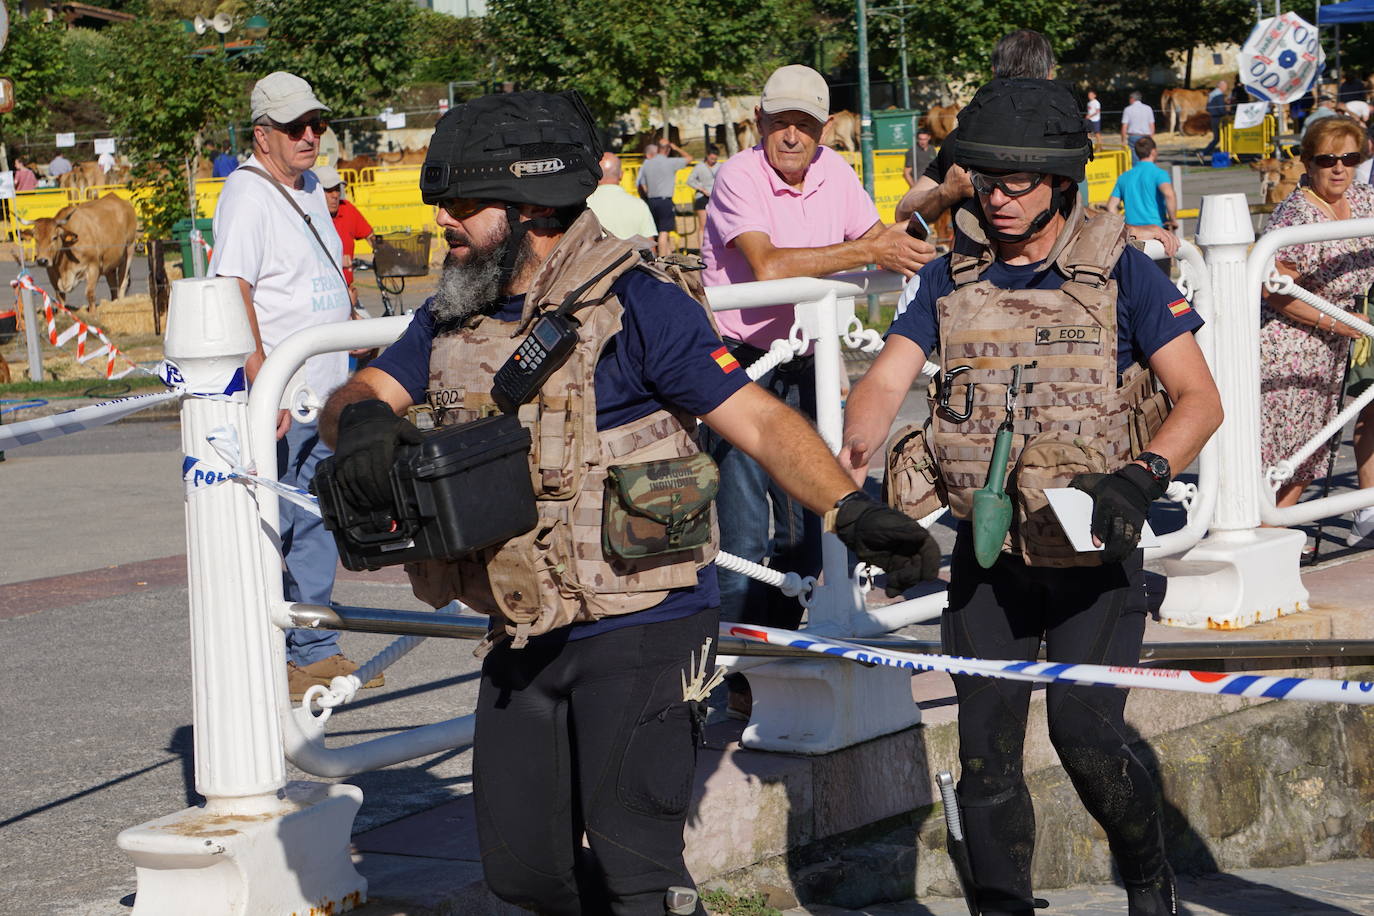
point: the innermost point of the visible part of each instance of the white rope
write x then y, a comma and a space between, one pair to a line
343, 688
779, 352
790, 584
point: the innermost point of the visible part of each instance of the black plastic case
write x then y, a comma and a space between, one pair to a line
463, 489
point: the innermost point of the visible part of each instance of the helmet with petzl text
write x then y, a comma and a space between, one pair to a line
537, 148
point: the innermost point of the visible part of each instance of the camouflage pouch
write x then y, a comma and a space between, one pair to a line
658, 507
1051, 460
912, 484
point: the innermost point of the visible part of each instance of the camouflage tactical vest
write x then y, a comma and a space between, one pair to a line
1073, 415
558, 574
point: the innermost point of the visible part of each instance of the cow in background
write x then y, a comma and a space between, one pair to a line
1180, 106
86, 241
1278, 177
83, 175
940, 120
842, 131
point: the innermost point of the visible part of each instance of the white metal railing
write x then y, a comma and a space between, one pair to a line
1260, 274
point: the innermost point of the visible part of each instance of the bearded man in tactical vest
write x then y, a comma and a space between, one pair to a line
582, 722
1051, 332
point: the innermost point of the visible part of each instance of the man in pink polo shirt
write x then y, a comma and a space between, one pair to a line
789, 207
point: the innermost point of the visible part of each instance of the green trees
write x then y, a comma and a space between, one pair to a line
618, 53
159, 99
354, 54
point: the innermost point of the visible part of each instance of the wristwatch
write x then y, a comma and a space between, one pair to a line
1158, 466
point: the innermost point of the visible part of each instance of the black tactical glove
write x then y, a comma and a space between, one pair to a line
368, 433
1120, 503
887, 539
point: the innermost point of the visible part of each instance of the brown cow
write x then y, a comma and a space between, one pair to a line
1278, 177
747, 133
1181, 104
402, 157
87, 240
940, 120
842, 131
82, 176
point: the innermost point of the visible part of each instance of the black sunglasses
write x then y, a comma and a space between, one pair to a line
1329, 160
461, 208
1015, 184
296, 129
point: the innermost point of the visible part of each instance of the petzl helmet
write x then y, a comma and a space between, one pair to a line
1023, 125
537, 148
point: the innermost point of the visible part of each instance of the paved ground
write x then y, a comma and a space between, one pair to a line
1307, 890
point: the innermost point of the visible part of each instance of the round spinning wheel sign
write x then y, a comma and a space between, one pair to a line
1282, 59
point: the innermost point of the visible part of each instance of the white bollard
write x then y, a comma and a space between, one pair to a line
259, 845
807, 706
1240, 574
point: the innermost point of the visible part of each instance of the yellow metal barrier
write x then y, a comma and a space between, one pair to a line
1253, 141
1101, 173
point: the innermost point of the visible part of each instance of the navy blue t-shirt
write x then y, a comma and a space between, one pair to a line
1150, 310
664, 354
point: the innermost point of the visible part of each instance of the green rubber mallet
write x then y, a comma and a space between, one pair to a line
991, 505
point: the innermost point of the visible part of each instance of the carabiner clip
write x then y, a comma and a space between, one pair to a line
946, 386
1013, 389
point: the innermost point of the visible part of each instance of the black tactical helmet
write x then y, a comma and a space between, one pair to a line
1023, 124
519, 147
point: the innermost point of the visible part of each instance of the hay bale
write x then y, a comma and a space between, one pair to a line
130, 315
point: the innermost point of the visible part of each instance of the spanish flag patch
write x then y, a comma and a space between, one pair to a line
726, 360
1180, 308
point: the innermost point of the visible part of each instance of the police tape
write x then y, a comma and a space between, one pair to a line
82, 418
225, 384
78, 329
198, 473
1245, 685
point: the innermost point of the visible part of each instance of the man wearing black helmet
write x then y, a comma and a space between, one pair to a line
597, 656
1050, 329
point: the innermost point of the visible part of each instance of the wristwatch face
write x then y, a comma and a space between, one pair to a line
1158, 465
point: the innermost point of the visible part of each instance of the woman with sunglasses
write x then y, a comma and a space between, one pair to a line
1303, 352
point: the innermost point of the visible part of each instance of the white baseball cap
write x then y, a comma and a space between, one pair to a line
284, 97
328, 176
796, 87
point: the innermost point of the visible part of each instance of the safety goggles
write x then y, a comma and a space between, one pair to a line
1012, 184
461, 208
296, 129
1329, 160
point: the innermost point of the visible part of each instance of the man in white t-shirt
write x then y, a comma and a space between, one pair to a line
290, 278
1137, 121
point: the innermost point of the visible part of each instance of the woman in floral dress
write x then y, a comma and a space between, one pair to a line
1302, 351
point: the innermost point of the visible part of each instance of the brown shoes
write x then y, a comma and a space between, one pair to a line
300, 678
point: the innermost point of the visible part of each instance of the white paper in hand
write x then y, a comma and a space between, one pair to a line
1074, 509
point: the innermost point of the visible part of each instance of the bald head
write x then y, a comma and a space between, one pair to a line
610, 168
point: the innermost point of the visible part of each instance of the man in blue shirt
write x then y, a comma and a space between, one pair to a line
1218, 106
582, 727
224, 164
1045, 325
1146, 191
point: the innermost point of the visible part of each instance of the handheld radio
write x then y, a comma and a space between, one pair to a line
539, 355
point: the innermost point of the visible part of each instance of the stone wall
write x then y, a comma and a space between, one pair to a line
1270, 784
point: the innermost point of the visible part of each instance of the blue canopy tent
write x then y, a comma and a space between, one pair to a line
1350, 11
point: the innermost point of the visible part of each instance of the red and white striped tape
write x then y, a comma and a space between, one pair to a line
78, 329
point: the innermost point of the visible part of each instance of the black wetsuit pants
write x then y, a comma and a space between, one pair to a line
587, 735
1085, 614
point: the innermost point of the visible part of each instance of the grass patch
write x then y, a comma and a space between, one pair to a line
724, 903
79, 387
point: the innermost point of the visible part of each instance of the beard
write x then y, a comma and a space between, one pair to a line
476, 285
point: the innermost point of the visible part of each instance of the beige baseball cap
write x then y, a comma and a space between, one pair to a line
796, 87
283, 97
328, 176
